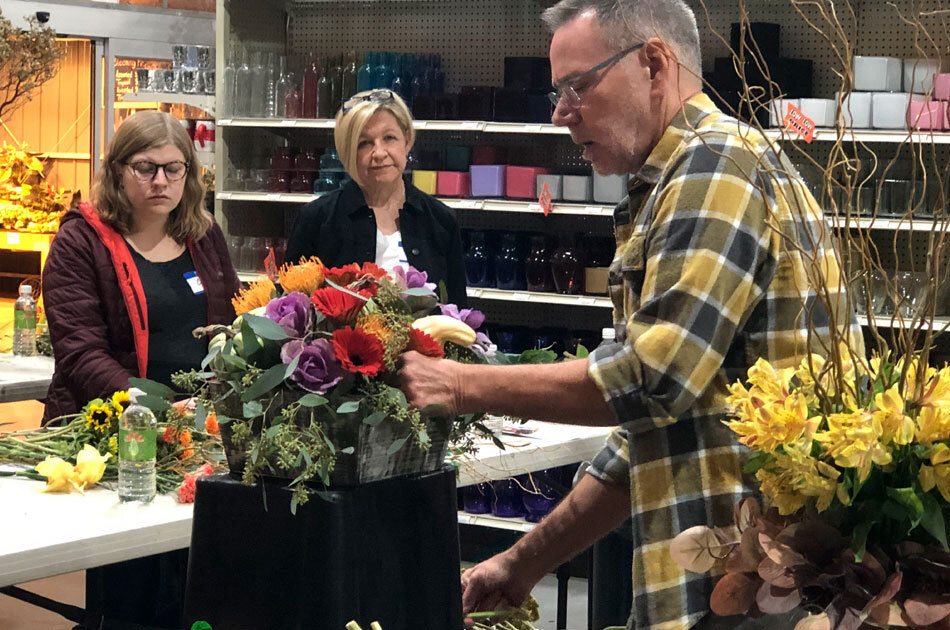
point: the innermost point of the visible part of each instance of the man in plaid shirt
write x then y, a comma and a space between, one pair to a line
720, 253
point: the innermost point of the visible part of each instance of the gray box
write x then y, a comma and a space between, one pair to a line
554, 185
577, 188
609, 188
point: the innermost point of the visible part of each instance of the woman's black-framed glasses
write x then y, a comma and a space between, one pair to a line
145, 170
376, 96
567, 91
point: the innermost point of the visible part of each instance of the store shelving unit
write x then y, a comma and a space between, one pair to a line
205, 102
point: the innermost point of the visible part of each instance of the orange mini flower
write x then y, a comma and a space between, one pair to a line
184, 437
374, 324
170, 436
305, 277
255, 296
188, 452
211, 425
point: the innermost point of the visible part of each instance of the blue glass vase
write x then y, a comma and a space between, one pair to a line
509, 265
478, 262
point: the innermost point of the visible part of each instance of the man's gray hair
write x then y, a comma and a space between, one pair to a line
627, 22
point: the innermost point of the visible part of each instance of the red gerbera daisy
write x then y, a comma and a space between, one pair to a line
374, 270
340, 306
424, 344
343, 275
358, 351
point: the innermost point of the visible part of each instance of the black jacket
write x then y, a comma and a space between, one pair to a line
339, 228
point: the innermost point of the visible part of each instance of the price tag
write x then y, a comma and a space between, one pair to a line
521, 297
224, 195
467, 204
272, 197
13, 238
587, 301
470, 124
534, 207
223, 122
288, 123
798, 122
545, 199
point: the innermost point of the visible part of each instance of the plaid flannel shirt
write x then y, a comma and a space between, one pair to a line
706, 279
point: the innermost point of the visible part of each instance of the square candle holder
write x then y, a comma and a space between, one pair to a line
426, 181
553, 182
488, 180
453, 184
609, 188
577, 188
521, 181
927, 115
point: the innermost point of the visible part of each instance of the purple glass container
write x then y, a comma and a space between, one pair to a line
507, 501
477, 499
539, 498
488, 180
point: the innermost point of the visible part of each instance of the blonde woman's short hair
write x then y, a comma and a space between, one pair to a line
141, 132
351, 121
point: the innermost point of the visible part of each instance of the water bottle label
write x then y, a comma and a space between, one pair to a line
24, 320
137, 446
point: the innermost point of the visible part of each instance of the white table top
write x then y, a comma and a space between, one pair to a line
49, 534
24, 378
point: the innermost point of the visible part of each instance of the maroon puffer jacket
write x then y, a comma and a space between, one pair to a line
98, 323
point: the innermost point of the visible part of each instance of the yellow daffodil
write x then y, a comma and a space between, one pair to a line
938, 474
58, 473
852, 440
896, 425
933, 424
120, 400
90, 466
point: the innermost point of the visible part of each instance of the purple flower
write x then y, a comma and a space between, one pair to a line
317, 368
483, 347
469, 316
291, 312
409, 277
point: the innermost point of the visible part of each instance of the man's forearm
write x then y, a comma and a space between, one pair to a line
588, 513
558, 392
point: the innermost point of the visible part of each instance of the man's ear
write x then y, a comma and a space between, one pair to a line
660, 59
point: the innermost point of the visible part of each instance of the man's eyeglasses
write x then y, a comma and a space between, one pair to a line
569, 93
376, 96
145, 170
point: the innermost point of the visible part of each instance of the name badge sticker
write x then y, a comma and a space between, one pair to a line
194, 282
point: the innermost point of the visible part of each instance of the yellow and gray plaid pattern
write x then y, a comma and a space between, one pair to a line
720, 248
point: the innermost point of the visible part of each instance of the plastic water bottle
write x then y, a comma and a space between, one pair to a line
24, 323
137, 434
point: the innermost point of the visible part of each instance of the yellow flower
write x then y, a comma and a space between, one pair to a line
99, 416
767, 427
795, 476
933, 424
852, 440
939, 473
90, 466
375, 324
58, 473
769, 384
937, 391
306, 276
255, 296
896, 425
120, 400
114, 445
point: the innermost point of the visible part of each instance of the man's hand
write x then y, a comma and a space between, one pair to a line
426, 381
495, 584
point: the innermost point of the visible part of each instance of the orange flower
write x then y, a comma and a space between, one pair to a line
170, 436
188, 452
211, 425
184, 437
305, 277
375, 324
257, 295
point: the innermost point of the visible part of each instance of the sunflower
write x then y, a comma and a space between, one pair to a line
99, 415
256, 295
305, 277
120, 400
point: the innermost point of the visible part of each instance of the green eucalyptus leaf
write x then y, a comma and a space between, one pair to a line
537, 356
264, 328
251, 344
907, 498
200, 415
224, 420
212, 353
859, 538
443, 292
423, 436
312, 400
271, 432
419, 292
253, 408
154, 403
267, 381
349, 450
582, 352
293, 504
152, 388
291, 366
306, 457
234, 362
374, 418
395, 446
398, 397
350, 406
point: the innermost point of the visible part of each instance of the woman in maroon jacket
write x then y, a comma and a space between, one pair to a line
130, 276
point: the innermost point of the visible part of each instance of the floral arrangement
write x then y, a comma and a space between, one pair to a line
27, 202
304, 368
90, 438
855, 466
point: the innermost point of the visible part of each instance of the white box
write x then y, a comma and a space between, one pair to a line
919, 75
609, 188
877, 74
855, 110
820, 110
778, 108
889, 109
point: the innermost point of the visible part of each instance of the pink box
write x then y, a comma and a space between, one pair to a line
488, 155
942, 87
453, 184
927, 115
522, 181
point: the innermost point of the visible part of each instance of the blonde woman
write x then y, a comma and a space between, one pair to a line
380, 216
130, 275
